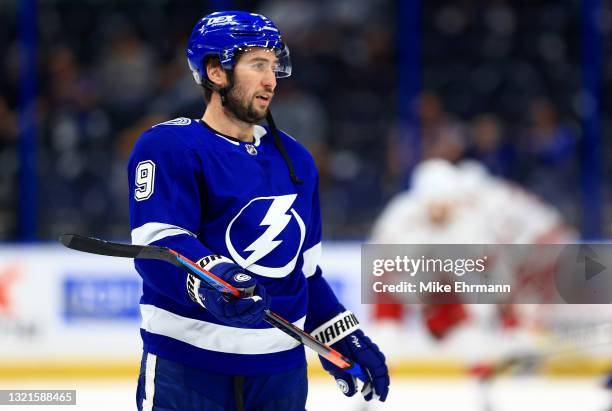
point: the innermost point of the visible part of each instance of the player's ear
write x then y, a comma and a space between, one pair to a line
216, 73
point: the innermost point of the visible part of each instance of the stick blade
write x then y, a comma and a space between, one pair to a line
101, 247
66, 239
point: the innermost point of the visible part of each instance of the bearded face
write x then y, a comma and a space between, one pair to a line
244, 106
254, 81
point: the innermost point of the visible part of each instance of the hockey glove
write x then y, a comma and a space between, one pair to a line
344, 335
237, 312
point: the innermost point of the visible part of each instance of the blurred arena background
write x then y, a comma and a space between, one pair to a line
383, 92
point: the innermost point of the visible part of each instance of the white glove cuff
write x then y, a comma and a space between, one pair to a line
210, 261
193, 285
337, 328
194, 282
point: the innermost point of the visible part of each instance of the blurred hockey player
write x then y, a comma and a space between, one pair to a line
242, 200
464, 204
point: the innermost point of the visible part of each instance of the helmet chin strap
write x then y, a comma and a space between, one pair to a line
281, 148
221, 90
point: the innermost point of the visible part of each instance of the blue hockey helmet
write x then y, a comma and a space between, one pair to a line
224, 33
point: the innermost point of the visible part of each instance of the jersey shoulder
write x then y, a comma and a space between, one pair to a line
172, 135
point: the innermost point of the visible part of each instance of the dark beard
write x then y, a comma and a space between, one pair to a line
235, 105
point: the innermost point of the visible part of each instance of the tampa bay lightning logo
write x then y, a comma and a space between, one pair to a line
266, 236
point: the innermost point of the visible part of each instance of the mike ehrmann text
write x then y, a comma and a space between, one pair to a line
438, 287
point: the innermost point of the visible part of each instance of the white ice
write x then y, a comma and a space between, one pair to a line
506, 394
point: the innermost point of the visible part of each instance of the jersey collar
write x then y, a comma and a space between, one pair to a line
258, 133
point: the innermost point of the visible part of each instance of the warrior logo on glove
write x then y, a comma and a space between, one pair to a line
336, 328
343, 385
242, 277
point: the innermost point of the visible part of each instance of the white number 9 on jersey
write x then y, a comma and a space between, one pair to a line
145, 180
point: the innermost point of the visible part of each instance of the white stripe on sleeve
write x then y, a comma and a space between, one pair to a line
150, 232
311, 260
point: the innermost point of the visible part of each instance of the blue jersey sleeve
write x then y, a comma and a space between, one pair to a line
322, 302
166, 207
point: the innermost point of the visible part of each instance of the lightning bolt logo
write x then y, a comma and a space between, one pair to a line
278, 216
276, 219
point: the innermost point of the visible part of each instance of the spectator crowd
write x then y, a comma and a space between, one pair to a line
500, 84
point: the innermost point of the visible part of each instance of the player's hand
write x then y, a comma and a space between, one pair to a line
359, 348
244, 311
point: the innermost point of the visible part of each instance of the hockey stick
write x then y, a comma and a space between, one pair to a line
528, 362
102, 247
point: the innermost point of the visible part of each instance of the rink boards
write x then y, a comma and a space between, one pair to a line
69, 314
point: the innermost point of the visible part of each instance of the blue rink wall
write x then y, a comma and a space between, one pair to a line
69, 314
59, 307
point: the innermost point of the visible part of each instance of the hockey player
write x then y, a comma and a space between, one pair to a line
242, 200
464, 204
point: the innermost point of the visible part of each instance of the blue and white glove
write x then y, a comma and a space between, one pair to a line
237, 312
343, 334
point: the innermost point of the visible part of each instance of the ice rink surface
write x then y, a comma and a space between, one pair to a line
506, 394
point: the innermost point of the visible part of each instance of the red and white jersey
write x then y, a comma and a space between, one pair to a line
465, 205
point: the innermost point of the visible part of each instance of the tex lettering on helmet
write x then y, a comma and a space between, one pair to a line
273, 248
222, 34
221, 20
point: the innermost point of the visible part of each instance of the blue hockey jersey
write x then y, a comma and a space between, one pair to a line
200, 192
